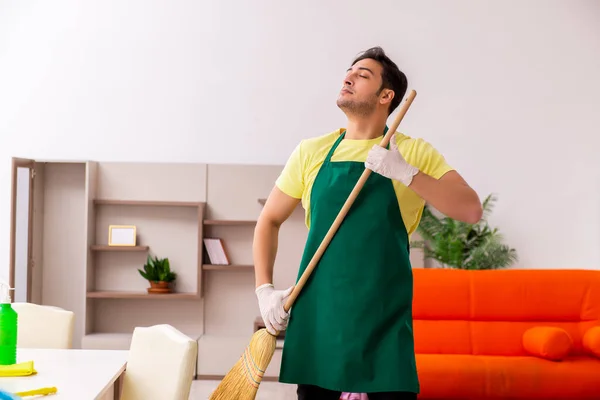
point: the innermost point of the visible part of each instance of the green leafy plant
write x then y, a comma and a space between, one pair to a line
456, 244
157, 270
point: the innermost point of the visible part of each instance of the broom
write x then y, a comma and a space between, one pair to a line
243, 379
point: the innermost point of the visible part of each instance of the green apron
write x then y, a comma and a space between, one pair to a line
350, 328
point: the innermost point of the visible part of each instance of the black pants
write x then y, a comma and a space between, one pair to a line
308, 392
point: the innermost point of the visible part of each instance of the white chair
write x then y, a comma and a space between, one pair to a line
160, 365
44, 327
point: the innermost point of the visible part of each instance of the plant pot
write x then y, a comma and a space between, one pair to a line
159, 287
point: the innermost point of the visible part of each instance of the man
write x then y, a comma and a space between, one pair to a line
350, 329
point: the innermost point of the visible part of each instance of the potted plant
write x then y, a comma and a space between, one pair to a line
455, 244
158, 272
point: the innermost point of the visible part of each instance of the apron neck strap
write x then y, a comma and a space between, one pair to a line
339, 140
335, 145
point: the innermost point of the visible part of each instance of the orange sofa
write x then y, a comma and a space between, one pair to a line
507, 334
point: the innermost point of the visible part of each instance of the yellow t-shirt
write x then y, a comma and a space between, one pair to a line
300, 171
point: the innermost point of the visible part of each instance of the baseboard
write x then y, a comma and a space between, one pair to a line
220, 377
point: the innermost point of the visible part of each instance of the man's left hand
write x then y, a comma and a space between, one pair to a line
390, 163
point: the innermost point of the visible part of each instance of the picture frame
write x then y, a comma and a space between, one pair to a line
122, 235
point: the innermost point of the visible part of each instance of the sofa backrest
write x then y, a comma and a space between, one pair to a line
487, 311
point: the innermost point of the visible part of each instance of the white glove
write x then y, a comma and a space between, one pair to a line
390, 163
270, 302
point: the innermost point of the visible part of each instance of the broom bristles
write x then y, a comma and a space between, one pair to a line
243, 379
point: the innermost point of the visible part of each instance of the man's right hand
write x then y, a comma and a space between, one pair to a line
270, 302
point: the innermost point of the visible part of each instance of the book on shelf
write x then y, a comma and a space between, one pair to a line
216, 251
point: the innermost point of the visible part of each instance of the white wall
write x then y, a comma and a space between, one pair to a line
509, 91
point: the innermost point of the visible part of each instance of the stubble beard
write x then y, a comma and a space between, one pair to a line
357, 108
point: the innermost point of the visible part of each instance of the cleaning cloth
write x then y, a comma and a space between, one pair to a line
20, 369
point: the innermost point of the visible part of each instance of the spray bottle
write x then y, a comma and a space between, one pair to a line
8, 327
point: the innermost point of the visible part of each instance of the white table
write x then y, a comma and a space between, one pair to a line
76, 374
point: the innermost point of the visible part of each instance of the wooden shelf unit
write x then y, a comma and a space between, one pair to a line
168, 211
131, 204
174, 207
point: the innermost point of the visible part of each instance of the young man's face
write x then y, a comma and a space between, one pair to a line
361, 83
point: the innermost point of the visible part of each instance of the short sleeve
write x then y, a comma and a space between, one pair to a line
291, 178
428, 159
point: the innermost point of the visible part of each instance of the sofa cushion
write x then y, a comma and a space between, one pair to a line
591, 341
506, 295
532, 295
460, 376
547, 342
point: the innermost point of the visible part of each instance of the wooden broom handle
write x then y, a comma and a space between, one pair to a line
342, 213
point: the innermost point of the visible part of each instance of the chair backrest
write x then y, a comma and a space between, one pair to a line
44, 327
160, 365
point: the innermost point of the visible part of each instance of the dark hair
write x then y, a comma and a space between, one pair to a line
391, 76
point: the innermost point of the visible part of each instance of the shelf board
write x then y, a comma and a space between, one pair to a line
147, 203
141, 295
102, 247
210, 267
228, 222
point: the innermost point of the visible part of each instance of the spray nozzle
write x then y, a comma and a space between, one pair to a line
5, 293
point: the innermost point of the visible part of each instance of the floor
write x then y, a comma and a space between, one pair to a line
201, 389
